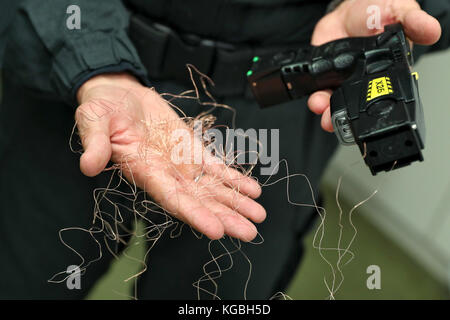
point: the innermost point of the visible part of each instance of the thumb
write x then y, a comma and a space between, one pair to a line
419, 26
95, 137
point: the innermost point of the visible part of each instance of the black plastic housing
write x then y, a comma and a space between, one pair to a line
376, 102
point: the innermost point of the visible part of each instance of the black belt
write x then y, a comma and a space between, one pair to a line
165, 54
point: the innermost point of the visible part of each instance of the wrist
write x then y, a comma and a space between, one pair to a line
123, 80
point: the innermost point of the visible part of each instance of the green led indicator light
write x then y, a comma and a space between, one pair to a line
255, 59
249, 73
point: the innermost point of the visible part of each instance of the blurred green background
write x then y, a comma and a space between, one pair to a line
401, 277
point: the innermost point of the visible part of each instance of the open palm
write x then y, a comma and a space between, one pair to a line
129, 124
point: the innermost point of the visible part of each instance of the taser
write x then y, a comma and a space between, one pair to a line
375, 103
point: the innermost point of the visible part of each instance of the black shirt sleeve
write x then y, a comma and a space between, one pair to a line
48, 57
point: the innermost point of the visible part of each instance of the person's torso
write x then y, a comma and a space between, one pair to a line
263, 22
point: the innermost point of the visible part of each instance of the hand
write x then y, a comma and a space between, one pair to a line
114, 118
350, 20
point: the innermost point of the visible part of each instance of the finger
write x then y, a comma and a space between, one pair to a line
97, 153
420, 27
234, 200
234, 224
319, 101
177, 198
234, 179
175, 194
190, 210
326, 120
95, 138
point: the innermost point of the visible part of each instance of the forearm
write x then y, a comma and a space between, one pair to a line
48, 57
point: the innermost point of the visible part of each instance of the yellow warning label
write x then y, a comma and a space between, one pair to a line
379, 87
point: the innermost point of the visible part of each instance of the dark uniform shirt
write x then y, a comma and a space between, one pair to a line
52, 60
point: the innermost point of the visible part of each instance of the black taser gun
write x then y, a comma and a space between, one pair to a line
375, 103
